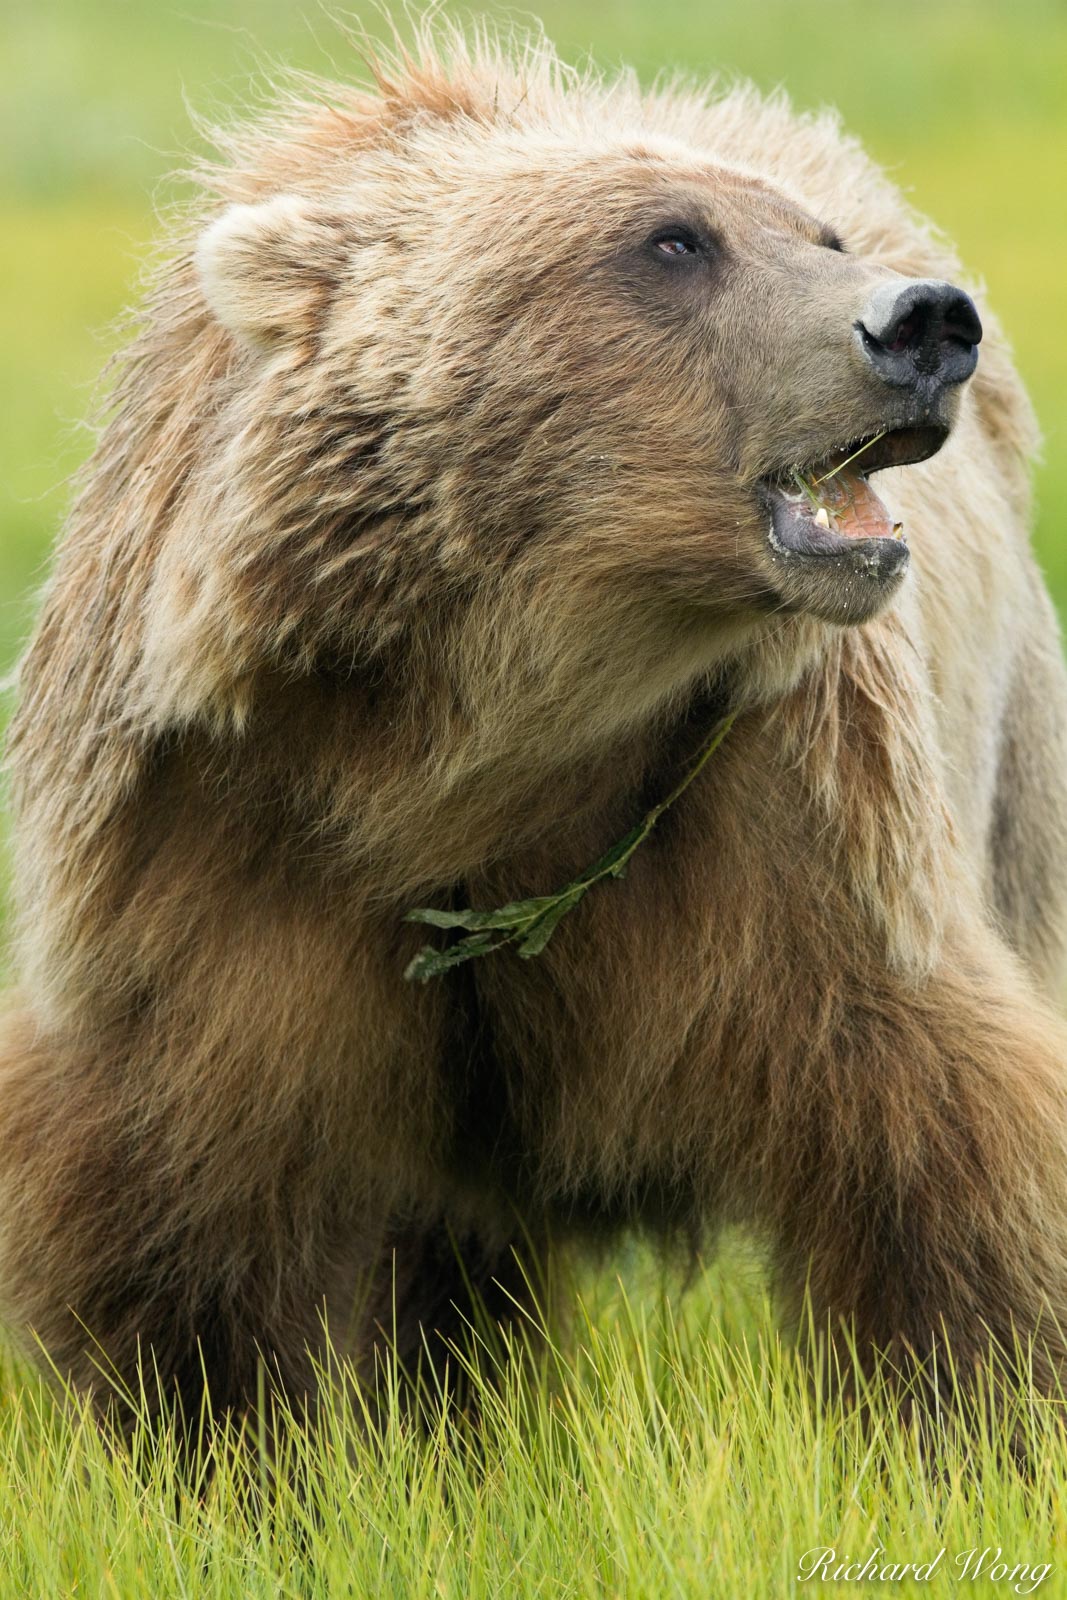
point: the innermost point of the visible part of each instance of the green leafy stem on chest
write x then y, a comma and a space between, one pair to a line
530, 924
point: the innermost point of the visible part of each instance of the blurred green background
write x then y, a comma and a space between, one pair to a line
964, 102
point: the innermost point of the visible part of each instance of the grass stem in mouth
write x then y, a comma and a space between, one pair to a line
805, 487
842, 464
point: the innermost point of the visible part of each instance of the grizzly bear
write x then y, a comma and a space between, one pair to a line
491, 434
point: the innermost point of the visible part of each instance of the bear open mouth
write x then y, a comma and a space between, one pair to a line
828, 508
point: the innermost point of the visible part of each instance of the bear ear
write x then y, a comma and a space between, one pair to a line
268, 270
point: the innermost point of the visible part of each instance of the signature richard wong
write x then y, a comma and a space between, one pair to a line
991, 1565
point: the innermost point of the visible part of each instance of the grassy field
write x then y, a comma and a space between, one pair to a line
672, 1450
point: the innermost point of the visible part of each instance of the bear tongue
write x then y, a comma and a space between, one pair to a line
855, 510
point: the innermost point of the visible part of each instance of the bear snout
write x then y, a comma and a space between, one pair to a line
921, 335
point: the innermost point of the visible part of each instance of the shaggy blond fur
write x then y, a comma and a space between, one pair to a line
419, 554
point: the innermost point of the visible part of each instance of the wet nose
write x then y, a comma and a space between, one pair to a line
920, 334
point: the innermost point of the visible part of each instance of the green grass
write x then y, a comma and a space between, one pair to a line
677, 1451
670, 1448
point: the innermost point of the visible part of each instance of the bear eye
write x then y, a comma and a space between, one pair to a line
676, 242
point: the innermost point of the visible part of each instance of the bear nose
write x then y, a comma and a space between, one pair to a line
920, 334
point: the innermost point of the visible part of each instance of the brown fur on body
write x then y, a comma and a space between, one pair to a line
420, 553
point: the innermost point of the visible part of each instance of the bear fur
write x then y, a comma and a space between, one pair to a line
419, 555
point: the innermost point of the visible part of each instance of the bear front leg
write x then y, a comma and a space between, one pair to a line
915, 1172
152, 1282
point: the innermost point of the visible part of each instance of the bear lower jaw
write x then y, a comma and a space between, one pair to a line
827, 574
834, 550
845, 554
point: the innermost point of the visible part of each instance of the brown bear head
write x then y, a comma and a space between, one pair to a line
558, 388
